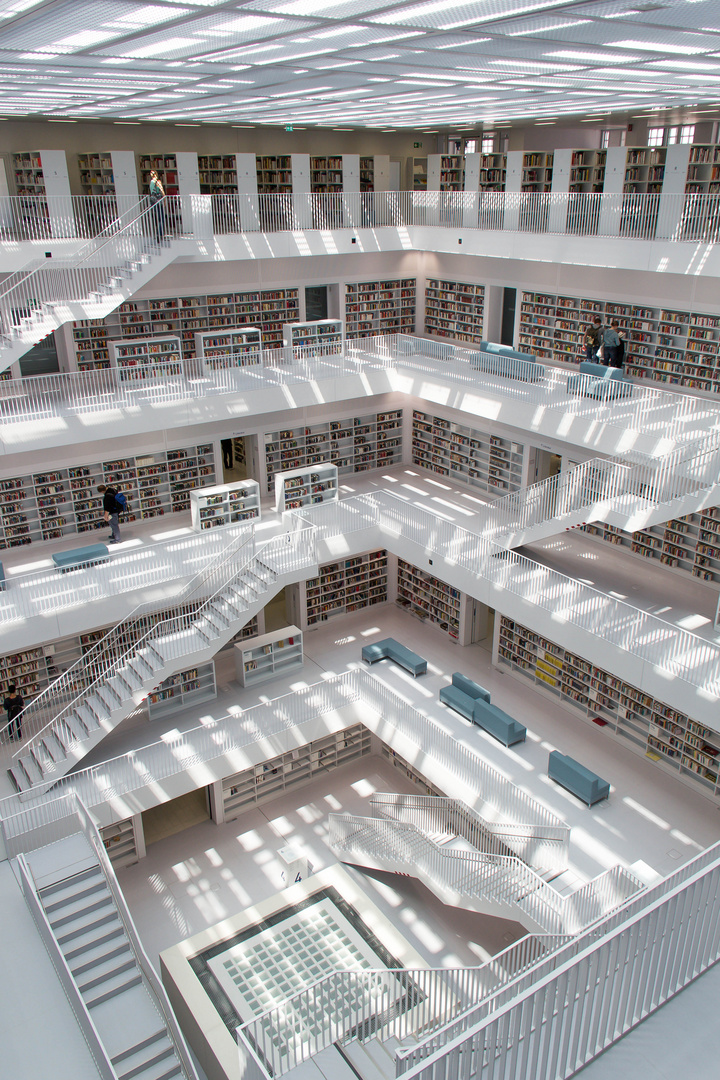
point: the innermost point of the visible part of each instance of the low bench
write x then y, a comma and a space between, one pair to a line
76, 558
497, 723
610, 384
573, 776
502, 360
462, 694
390, 649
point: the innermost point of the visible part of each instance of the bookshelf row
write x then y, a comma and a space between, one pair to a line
183, 689
224, 504
476, 457
427, 597
306, 487
665, 735
355, 444
669, 346
454, 309
347, 585
184, 316
380, 307
259, 659
278, 774
689, 544
60, 502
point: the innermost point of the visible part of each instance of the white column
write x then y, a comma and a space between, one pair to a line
125, 174
246, 169
351, 185
513, 187
57, 190
196, 208
471, 190
672, 205
300, 168
611, 210
557, 219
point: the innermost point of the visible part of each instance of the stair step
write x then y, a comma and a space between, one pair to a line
151, 657
104, 930
108, 695
53, 747
88, 716
74, 891
122, 982
81, 916
19, 778
73, 729
42, 758
65, 883
30, 767
111, 969
147, 1055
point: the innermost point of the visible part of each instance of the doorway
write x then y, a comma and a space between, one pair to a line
276, 616
239, 451
547, 464
42, 359
175, 816
316, 302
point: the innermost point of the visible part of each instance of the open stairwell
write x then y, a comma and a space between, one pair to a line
90, 699
462, 876
71, 889
88, 285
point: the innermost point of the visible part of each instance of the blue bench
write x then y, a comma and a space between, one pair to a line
462, 694
390, 649
77, 558
573, 776
610, 384
498, 723
502, 360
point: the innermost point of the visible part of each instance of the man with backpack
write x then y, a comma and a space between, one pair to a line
114, 504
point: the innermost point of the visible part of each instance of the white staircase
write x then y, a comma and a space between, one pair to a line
91, 698
88, 285
628, 496
71, 890
490, 884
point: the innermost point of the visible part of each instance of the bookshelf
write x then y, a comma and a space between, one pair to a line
28, 173
306, 487
325, 335
260, 783
346, 585
428, 598
269, 656
445, 172
478, 458
146, 358
185, 316
537, 170
124, 841
166, 166
454, 309
182, 689
62, 502
96, 174
587, 171
237, 346
703, 170
644, 170
419, 173
380, 307
326, 174
671, 739
274, 174
690, 544
224, 504
218, 174
485, 172
355, 444
399, 762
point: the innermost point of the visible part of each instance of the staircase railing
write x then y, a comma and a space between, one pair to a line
543, 846
51, 708
345, 1006
502, 880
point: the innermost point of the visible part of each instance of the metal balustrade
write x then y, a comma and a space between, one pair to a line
135, 654
500, 885
382, 1003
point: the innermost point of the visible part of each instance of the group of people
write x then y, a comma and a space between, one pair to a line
605, 343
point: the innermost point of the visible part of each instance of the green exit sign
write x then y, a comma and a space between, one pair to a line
417, 145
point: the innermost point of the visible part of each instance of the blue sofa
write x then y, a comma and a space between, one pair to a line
498, 723
611, 383
77, 558
462, 694
573, 776
501, 360
390, 649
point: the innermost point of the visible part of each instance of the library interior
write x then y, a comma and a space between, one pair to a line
359, 597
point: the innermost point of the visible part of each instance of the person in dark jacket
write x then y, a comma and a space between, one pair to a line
14, 705
593, 339
111, 511
611, 344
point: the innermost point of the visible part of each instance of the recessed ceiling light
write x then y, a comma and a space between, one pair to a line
58, 120
128, 123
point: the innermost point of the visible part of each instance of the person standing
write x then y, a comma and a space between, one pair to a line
14, 705
227, 452
593, 339
611, 344
111, 511
620, 354
157, 195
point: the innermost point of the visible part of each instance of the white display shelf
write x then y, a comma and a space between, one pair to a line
124, 841
483, 460
237, 346
224, 504
325, 335
185, 316
380, 307
446, 172
269, 656
703, 171
454, 309
644, 170
48, 505
182, 689
306, 487
146, 358
347, 585
666, 736
263, 782
355, 444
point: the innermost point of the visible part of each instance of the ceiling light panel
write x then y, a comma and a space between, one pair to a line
47, 29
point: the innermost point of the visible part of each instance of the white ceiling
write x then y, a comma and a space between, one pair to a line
356, 63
